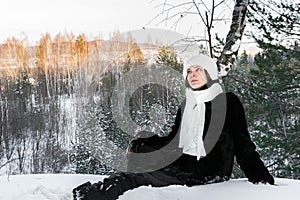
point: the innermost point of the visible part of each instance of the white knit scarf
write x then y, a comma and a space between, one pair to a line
193, 119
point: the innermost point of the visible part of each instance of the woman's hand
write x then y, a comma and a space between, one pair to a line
268, 178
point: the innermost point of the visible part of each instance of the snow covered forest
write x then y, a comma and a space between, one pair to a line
58, 98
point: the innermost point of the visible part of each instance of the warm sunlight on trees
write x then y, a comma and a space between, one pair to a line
14, 56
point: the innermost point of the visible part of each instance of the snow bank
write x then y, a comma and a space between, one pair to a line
59, 187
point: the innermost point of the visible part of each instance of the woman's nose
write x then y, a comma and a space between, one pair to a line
193, 74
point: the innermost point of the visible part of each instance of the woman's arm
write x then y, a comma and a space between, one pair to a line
245, 150
145, 144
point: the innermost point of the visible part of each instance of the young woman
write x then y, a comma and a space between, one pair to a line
209, 131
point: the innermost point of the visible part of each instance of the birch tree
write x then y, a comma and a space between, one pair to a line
234, 36
210, 15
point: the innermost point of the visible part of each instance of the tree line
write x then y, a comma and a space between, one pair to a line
41, 92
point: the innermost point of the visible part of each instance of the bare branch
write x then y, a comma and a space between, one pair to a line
7, 162
164, 11
221, 2
170, 12
202, 19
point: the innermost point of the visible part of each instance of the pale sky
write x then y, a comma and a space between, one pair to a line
91, 17
35, 17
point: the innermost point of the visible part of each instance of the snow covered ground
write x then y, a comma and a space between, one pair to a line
59, 187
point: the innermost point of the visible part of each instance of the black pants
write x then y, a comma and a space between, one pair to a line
115, 185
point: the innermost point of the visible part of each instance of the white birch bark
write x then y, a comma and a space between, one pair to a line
233, 38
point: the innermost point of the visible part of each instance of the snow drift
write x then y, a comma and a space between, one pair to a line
59, 187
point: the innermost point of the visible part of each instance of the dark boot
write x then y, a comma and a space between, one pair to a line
80, 191
87, 191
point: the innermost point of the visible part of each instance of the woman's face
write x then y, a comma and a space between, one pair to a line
196, 77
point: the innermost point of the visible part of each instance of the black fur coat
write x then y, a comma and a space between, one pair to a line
225, 136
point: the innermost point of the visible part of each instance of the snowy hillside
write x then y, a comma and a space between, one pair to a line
59, 187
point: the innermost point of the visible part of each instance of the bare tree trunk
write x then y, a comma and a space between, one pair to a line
233, 38
21, 148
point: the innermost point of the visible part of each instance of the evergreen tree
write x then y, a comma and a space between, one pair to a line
154, 107
279, 126
88, 154
275, 22
84, 162
270, 92
168, 57
244, 59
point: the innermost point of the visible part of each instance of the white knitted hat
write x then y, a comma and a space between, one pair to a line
204, 61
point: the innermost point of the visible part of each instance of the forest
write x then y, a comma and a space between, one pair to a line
58, 97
